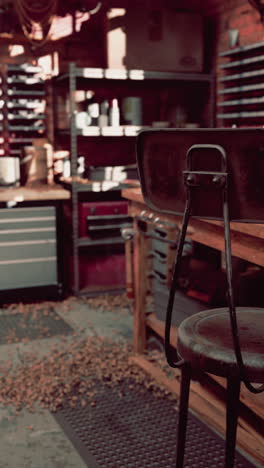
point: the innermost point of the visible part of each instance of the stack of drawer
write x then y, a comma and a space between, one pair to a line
163, 255
28, 247
103, 220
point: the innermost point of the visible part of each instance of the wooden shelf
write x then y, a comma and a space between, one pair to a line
25, 104
242, 89
95, 186
20, 140
242, 76
23, 92
26, 81
28, 116
26, 68
95, 131
240, 102
137, 75
240, 115
26, 128
242, 62
242, 49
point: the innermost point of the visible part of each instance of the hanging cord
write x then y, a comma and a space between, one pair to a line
231, 302
96, 9
36, 16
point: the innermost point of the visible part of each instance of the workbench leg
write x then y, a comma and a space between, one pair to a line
140, 283
129, 268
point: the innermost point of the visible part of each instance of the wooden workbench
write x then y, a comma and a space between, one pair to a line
39, 192
205, 400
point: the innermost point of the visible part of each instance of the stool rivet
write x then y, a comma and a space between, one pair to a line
216, 179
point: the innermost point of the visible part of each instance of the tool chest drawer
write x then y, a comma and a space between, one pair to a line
162, 253
160, 263
102, 219
18, 250
28, 273
28, 247
15, 220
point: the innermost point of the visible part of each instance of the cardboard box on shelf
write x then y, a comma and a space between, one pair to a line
36, 163
155, 39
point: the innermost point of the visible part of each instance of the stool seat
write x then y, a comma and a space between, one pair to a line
205, 342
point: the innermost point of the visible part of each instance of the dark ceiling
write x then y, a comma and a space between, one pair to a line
67, 6
10, 24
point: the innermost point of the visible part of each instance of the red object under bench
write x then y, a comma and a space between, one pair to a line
101, 215
102, 264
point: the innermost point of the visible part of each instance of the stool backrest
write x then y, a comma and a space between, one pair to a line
162, 160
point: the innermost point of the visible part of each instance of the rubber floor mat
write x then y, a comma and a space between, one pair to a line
128, 427
32, 325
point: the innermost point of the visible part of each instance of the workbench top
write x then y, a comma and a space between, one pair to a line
133, 194
251, 229
40, 192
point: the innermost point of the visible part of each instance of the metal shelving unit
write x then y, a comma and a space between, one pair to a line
85, 78
240, 86
23, 94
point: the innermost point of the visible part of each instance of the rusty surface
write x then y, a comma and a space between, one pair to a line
161, 157
205, 341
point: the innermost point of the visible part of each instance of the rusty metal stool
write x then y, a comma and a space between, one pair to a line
216, 174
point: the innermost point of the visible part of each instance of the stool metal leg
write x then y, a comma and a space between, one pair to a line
232, 406
183, 414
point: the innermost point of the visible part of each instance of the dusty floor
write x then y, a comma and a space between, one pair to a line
34, 440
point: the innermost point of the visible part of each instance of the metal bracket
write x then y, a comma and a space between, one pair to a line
205, 179
220, 151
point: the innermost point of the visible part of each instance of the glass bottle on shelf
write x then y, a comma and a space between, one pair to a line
103, 116
114, 113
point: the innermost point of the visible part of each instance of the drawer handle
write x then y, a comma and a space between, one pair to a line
161, 257
28, 260
161, 278
153, 235
128, 233
28, 242
23, 220
23, 231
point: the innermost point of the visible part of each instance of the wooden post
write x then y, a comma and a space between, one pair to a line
129, 268
140, 283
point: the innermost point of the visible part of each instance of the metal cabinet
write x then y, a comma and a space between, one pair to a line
162, 256
28, 247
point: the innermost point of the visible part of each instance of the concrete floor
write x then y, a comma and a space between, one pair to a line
35, 440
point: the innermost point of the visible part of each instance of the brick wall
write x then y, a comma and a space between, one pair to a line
239, 14
239, 17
